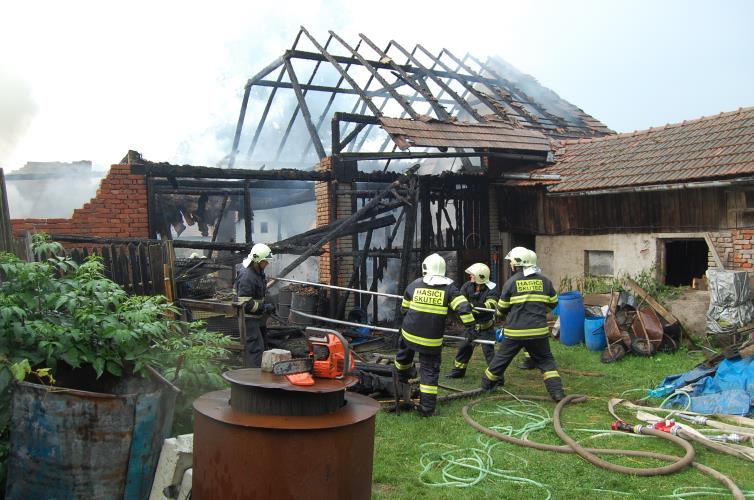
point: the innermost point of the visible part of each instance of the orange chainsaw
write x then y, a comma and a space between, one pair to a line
329, 357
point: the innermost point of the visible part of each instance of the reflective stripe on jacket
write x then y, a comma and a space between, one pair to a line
525, 300
425, 308
251, 285
485, 298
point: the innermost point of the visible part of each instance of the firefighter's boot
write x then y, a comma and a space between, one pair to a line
405, 375
554, 385
490, 381
427, 404
456, 373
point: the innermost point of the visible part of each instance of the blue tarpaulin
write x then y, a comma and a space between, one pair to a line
729, 389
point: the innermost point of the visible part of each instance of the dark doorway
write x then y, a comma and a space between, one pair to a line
517, 240
684, 261
523, 240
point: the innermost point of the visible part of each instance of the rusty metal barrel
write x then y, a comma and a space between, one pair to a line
305, 300
68, 443
266, 438
284, 302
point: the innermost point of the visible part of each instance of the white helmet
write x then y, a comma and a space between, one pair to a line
480, 272
523, 257
433, 265
259, 252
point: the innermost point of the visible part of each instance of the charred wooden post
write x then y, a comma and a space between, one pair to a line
6, 235
247, 217
408, 244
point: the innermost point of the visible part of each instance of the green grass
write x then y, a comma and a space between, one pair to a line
400, 439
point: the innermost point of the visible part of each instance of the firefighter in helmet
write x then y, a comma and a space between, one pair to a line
480, 292
251, 288
425, 306
524, 301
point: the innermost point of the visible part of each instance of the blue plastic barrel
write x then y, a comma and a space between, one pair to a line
594, 333
571, 306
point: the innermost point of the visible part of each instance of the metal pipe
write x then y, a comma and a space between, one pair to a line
380, 328
390, 295
356, 290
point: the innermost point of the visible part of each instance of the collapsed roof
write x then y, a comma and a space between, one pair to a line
380, 95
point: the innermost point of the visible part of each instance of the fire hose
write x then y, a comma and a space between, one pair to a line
589, 454
379, 328
356, 290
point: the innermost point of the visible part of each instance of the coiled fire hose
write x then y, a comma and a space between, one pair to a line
588, 454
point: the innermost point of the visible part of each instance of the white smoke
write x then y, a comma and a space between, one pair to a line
17, 109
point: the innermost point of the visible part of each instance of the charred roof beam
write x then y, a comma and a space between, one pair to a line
332, 60
247, 92
359, 127
521, 94
388, 138
417, 85
305, 111
277, 84
292, 120
397, 96
420, 87
446, 88
479, 95
337, 90
326, 111
313, 56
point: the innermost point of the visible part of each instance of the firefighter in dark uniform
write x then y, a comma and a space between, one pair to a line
425, 307
524, 301
251, 288
480, 292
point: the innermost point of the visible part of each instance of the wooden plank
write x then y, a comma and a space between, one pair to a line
713, 251
114, 264
125, 270
6, 235
155, 269
639, 291
135, 270
106, 261
147, 285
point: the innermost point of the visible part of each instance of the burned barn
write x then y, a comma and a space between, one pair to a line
354, 160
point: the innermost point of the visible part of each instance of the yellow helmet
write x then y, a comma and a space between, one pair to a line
258, 253
480, 272
520, 256
433, 265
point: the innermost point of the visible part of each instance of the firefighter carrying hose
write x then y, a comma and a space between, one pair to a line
480, 292
425, 307
251, 288
524, 301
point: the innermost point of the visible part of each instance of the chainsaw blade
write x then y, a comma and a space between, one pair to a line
290, 366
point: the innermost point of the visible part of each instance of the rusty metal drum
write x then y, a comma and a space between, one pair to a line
68, 443
244, 455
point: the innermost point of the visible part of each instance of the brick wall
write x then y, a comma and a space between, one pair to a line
119, 210
324, 193
734, 248
323, 197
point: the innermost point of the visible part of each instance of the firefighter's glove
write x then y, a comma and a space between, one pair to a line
268, 308
471, 334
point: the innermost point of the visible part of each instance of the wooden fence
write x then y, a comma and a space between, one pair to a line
141, 268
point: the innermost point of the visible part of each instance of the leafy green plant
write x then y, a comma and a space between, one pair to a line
646, 279
54, 313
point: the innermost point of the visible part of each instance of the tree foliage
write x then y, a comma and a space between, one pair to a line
55, 311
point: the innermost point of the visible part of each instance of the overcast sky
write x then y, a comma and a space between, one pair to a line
89, 81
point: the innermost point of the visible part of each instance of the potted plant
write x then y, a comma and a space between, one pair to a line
96, 404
